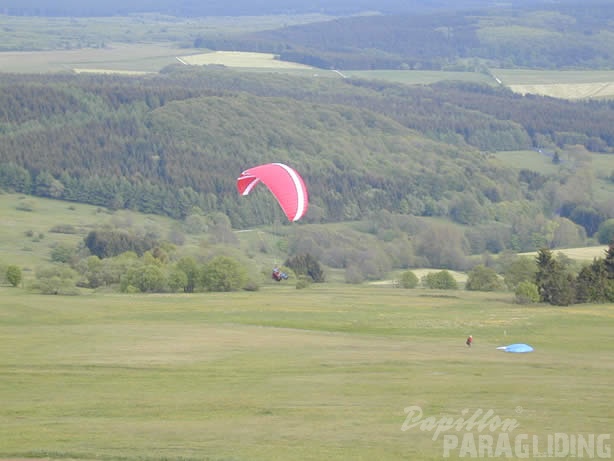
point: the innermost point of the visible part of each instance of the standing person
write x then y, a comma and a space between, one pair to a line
469, 341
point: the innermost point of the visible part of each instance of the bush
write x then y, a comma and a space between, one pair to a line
13, 275
605, 234
408, 280
303, 282
64, 229
223, 274
527, 293
520, 269
107, 243
146, 278
482, 278
56, 279
177, 279
63, 253
25, 205
307, 265
441, 280
251, 285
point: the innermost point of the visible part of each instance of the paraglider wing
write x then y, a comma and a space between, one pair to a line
284, 183
516, 348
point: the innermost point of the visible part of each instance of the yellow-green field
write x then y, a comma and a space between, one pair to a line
584, 254
28, 237
120, 57
326, 373
240, 59
601, 165
146, 57
144, 43
559, 84
418, 77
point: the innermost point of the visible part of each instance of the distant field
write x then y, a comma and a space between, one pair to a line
19, 33
143, 43
146, 57
559, 84
117, 57
579, 254
267, 62
138, 59
240, 59
602, 166
418, 77
27, 237
325, 373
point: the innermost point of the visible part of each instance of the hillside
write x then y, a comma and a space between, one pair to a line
470, 35
174, 142
37, 234
556, 35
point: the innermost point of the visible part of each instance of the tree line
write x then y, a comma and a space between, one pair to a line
559, 286
547, 278
131, 262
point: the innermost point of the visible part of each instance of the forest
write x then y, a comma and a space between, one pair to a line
175, 142
566, 35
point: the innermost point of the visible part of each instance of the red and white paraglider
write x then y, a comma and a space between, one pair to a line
285, 184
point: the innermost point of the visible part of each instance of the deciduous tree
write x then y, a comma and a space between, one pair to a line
13, 275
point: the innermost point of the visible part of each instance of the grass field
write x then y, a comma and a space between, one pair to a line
147, 43
28, 237
319, 374
129, 55
20, 33
602, 166
586, 254
117, 57
240, 59
418, 77
559, 84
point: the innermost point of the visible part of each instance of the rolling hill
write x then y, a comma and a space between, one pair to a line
169, 143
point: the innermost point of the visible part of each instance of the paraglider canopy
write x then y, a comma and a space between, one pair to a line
285, 184
516, 348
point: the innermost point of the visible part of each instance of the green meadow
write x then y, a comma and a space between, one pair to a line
534, 77
328, 372
129, 55
114, 57
30, 227
567, 84
419, 77
601, 167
